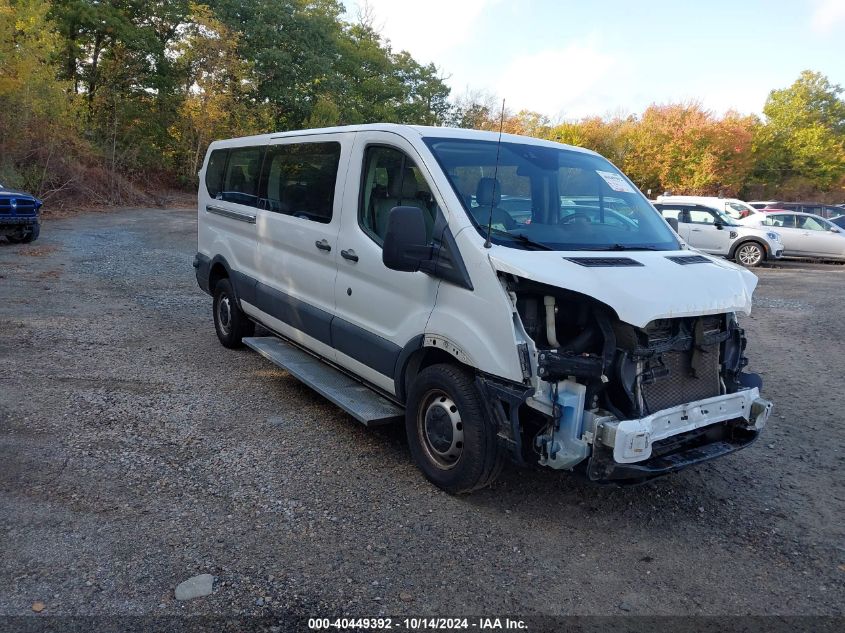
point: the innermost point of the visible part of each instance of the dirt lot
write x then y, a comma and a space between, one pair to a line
136, 452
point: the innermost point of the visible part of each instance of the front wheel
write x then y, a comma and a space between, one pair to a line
231, 324
33, 234
749, 254
451, 438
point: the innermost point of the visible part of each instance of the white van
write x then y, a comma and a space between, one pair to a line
503, 296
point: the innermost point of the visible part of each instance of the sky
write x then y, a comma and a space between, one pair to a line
568, 59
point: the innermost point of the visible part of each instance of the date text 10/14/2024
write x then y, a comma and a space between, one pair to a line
417, 624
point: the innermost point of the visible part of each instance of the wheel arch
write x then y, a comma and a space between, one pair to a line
746, 240
415, 357
219, 269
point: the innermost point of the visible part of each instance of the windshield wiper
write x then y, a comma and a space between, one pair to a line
525, 240
620, 247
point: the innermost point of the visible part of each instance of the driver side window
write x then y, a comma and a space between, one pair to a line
701, 216
390, 178
810, 224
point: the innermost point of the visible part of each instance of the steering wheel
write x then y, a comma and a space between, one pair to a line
576, 216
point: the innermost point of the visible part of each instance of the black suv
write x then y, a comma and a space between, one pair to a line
20, 219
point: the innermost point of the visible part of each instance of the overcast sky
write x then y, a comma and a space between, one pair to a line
569, 59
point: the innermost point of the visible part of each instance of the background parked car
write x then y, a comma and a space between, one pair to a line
839, 221
20, 220
803, 234
760, 204
733, 207
815, 208
714, 232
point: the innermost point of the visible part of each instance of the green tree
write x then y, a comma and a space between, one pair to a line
37, 113
802, 143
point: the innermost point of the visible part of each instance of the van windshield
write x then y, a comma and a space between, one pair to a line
546, 197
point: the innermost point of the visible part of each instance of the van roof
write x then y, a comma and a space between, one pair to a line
407, 130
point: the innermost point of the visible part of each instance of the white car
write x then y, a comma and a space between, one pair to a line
713, 232
732, 207
803, 234
573, 331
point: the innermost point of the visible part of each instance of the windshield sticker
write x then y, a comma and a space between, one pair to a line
615, 181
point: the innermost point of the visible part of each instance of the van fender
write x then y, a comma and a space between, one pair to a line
423, 350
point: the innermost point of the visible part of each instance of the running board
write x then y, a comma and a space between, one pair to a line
358, 400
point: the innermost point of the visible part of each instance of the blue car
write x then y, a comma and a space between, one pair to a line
20, 220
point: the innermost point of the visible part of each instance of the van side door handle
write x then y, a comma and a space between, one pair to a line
350, 255
323, 245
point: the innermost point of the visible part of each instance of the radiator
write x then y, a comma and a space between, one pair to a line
679, 385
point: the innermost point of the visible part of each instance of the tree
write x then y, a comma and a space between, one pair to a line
218, 91
803, 140
37, 114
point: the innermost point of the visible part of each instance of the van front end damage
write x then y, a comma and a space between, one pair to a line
626, 403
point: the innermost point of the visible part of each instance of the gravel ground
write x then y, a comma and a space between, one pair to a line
136, 452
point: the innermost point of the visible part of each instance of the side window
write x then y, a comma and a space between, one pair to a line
668, 212
299, 179
809, 223
390, 179
214, 172
242, 172
783, 220
701, 216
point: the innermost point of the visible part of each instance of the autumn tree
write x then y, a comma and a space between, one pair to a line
218, 90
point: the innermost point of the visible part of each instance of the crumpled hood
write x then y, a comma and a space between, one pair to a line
659, 289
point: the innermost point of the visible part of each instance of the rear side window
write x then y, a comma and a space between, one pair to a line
242, 174
784, 220
214, 172
670, 212
299, 179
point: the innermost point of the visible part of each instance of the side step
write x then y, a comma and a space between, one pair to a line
358, 400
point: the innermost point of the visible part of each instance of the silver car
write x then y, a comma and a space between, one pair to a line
802, 234
712, 231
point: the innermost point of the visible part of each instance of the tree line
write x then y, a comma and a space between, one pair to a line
112, 101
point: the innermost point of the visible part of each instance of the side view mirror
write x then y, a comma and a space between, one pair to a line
405, 247
719, 224
673, 222
833, 229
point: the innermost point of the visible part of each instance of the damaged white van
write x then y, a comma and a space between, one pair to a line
503, 296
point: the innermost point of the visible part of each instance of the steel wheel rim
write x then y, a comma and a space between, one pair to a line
440, 429
749, 255
224, 314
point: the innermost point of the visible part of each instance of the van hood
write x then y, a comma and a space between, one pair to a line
654, 288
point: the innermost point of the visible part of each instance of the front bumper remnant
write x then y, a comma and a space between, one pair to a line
672, 439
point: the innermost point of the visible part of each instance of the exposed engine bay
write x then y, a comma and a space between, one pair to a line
592, 368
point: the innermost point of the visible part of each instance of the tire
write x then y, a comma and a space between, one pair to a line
32, 235
749, 254
452, 441
17, 237
230, 323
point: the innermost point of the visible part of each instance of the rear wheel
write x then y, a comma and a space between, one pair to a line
451, 439
750, 254
231, 324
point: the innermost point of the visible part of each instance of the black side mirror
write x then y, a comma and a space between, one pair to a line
405, 245
719, 224
673, 222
